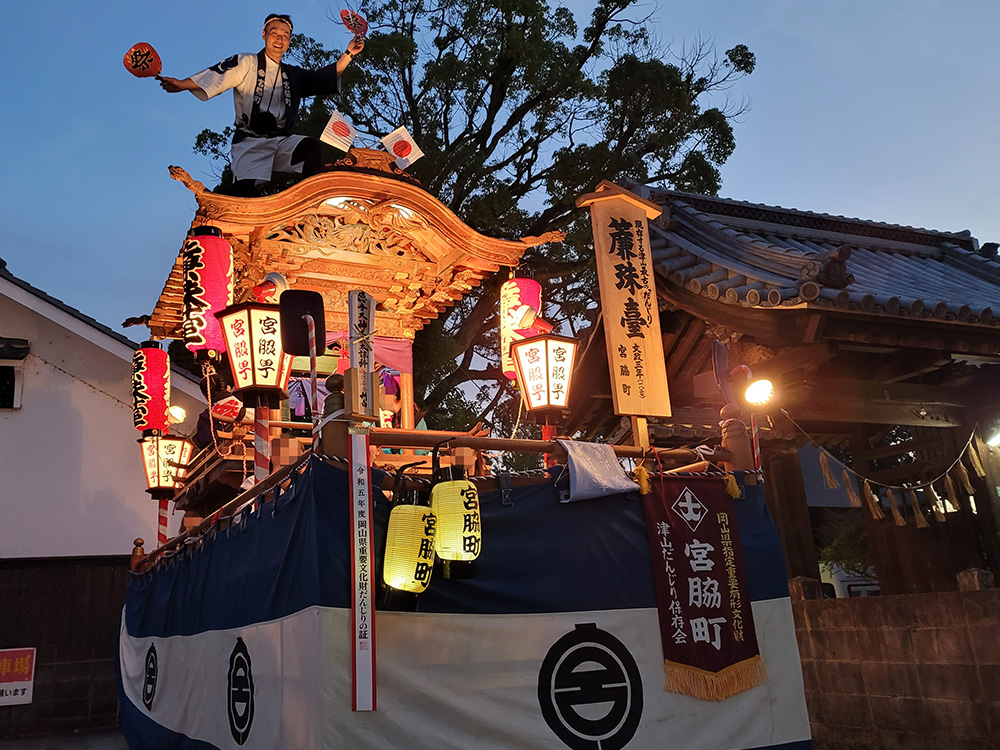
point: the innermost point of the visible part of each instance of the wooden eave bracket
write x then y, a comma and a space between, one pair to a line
607, 190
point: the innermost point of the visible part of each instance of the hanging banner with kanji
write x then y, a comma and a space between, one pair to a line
628, 300
706, 626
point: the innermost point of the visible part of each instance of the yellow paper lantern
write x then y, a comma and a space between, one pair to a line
409, 548
455, 502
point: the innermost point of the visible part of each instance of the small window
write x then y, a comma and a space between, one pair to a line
12, 355
10, 386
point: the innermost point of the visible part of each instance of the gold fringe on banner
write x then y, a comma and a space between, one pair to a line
897, 517
732, 486
873, 505
714, 686
963, 477
641, 477
828, 478
950, 493
936, 503
918, 514
977, 464
849, 486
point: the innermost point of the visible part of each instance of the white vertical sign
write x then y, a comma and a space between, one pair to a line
629, 307
361, 306
362, 602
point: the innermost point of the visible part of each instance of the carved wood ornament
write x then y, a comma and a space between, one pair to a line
361, 226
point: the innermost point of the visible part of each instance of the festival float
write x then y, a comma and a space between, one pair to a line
343, 583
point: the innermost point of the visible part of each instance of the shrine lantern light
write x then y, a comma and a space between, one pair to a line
759, 392
251, 332
545, 372
165, 459
520, 304
150, 388
207, 262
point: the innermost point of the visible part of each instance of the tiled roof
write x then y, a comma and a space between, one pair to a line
8, 276
765, 256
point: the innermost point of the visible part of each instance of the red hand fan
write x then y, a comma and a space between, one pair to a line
142, 61
354, 23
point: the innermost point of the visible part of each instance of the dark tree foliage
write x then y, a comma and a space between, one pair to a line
518, 113
842, 538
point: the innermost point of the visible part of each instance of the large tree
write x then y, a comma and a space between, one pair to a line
518, 113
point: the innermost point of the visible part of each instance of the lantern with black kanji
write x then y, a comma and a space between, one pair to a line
207, 263
409, 546
165, 459
544, 372
150, 388
252, 335
455, 502
520, 304
410, 541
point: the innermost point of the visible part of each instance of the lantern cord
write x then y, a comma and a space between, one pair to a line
207, 370
517, 422
917, 486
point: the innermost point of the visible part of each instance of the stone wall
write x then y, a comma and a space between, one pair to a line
69, 610
913, 672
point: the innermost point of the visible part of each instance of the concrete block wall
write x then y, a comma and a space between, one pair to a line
912, 672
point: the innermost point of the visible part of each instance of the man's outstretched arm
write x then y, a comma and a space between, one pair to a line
174, 85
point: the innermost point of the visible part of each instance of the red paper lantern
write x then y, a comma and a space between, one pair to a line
150, 388
208, 288
516, 297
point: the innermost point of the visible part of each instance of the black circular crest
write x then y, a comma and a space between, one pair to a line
590, 690
240, 685
149, 678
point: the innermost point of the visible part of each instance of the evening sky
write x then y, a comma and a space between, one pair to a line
875, 110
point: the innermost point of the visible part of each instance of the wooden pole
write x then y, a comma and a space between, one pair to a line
640, 432
138, 554
381, 437
406, 420
736, 440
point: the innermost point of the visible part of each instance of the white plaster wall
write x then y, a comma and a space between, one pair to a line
71, 480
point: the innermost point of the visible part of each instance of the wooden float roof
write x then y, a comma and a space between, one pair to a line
363, 225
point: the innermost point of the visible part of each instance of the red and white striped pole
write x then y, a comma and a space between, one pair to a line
161, 528
314, 390
261, 439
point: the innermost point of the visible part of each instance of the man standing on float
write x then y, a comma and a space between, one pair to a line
267, 95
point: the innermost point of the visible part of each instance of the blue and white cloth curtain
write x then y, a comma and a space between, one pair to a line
553, 643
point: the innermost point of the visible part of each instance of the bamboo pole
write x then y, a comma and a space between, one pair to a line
385, 438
